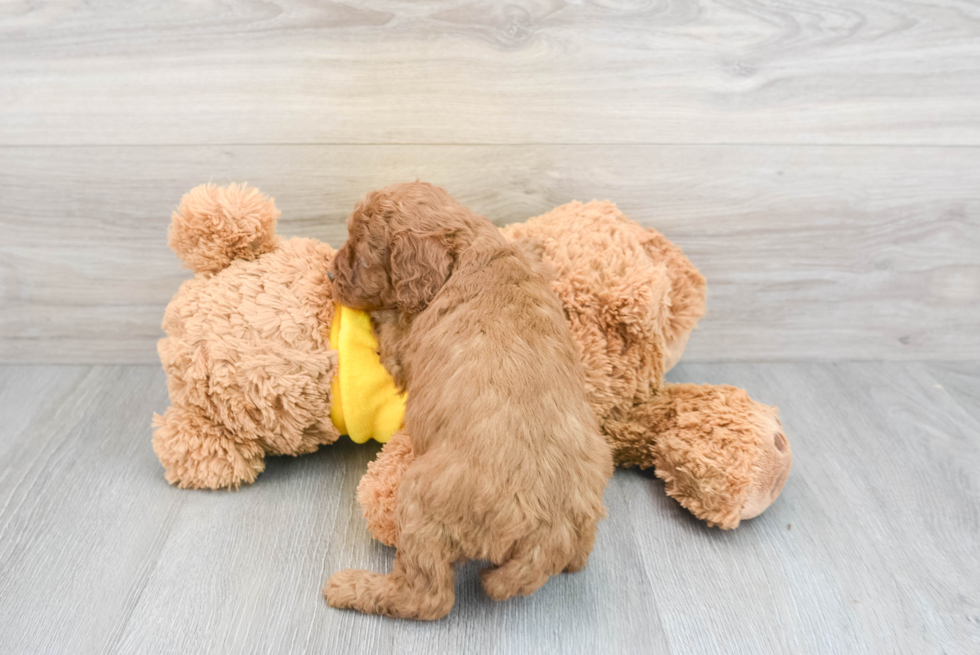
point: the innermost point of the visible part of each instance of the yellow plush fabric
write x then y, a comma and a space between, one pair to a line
366, 403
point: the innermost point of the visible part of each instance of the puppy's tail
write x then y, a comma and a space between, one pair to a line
215, 225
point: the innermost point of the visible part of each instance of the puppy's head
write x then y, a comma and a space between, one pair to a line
401, 245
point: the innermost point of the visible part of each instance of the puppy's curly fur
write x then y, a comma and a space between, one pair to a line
510, 467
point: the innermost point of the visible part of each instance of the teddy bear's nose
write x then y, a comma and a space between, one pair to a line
330, 275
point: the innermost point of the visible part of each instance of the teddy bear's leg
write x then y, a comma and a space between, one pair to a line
378, 488
688, 291
198, 454
722, 455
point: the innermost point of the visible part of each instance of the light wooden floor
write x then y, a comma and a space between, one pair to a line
873, 546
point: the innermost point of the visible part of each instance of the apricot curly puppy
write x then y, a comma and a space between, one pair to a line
510, 466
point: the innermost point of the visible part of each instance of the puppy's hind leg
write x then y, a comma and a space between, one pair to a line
420, 585
528, 568
580, 557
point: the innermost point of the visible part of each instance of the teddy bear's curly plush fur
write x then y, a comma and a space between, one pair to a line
247, 352
249, 364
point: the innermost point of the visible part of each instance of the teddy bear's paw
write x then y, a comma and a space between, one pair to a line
773, 463
197, 454
221, 470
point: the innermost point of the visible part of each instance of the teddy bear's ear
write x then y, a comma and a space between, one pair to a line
215, 225
420, 265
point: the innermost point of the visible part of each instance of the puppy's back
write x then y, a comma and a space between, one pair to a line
498, 399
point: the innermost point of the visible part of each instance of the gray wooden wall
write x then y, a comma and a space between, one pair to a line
819, 161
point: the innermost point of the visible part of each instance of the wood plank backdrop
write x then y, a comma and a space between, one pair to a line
820, 162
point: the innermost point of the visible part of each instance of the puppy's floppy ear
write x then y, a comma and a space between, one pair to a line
420, 266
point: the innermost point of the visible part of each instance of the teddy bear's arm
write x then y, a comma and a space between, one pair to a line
198, 453
722, 455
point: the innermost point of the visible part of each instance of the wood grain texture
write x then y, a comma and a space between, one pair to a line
685, 71
819, 253
871, 548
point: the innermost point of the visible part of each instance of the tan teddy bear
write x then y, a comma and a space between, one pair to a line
247, 354
256, 367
